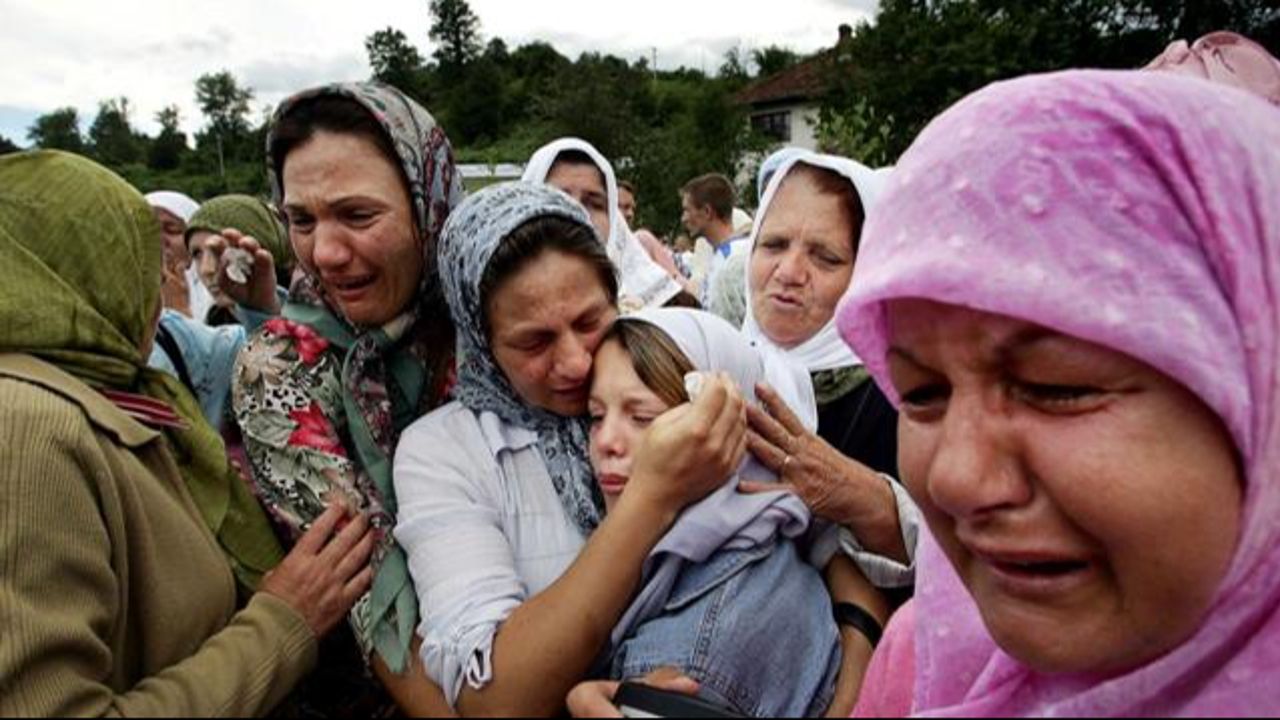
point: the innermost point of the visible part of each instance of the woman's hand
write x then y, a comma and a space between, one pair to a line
834, 487
595, 699
175, 292
327, 571
690, 451
259, 293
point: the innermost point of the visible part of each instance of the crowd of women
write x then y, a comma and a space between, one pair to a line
999, 434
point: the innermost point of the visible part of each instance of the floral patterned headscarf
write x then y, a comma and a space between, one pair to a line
391, 374
470, 239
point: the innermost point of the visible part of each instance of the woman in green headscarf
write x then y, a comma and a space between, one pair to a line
127, 539
245, 216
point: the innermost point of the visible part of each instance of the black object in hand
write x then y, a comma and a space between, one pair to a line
642, 701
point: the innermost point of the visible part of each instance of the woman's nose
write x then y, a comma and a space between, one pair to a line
976, 467
330, 250
573, 360
793, 269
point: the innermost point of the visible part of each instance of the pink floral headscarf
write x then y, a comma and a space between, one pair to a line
1226, 58
1139, 211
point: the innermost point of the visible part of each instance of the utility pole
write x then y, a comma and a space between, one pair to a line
222, 165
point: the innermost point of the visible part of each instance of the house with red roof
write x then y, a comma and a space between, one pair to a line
785, 106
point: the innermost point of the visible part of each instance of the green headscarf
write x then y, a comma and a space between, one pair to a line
250, 216
80, 257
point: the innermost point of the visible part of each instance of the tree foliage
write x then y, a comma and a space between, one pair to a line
395, 60
7, 146
920, 56
498, 103
58, 130
170, 146
225, 106
111, 137
773, 59
456, 31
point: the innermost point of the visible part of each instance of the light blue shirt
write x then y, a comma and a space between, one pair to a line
210, 356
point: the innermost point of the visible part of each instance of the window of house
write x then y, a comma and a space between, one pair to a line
774, 125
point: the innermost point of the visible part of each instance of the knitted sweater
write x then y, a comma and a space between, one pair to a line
114, 597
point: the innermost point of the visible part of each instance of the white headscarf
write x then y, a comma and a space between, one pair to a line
644, 283
826, 350
181, 206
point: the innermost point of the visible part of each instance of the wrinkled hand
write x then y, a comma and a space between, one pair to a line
175, 292
690, 451
595, 699
834, 487
327, 571
259, 293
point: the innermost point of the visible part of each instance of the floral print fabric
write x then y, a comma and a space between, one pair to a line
322, 402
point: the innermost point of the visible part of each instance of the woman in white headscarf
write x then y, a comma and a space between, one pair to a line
803, 251
173, 210
577, 168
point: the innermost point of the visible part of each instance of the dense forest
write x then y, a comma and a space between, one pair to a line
662, 127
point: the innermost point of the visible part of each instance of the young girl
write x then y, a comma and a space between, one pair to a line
732, 596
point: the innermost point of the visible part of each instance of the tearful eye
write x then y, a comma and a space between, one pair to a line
1057, 395
925, 398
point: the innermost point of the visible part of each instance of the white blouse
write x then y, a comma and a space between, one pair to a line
483, 530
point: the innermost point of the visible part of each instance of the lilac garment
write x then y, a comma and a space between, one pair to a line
1139, 211
727, 519
1226, 58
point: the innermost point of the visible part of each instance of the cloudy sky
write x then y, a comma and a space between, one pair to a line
55, 53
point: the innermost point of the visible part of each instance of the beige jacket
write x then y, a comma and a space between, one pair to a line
114, 597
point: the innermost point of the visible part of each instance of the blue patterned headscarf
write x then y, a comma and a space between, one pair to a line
473, 233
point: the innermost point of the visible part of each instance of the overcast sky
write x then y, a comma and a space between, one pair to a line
55, 53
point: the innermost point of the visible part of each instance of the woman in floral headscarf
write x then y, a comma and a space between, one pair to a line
1070, 288
364, 346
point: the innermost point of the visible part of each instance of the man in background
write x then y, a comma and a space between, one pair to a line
707, 204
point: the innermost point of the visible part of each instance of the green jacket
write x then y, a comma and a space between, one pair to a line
115, 598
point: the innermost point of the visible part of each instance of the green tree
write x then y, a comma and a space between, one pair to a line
920, 56
734, 70
225, 106
456, 31
57, 130
7, 146
112, 138
476, 104
170, 146
396, 61
773, 59
601, 99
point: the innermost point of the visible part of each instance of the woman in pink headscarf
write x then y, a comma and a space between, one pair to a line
1071, 289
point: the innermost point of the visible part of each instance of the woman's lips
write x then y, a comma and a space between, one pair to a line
350, 288
573, 392
786, 302
1034, 575
612, 484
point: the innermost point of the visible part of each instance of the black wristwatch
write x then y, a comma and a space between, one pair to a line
850, 615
